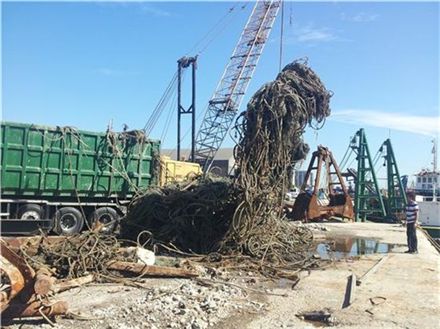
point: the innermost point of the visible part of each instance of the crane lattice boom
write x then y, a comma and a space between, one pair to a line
227, 98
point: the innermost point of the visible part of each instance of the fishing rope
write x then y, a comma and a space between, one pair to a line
244, 216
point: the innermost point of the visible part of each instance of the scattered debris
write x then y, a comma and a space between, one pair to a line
36, 272
323, 316
369, 311
350, 291
316, 227
24, 291
77, 255
74, 283
295, 283
377, 300
189, 305
35, 307
44, 281
371, 270
143, 270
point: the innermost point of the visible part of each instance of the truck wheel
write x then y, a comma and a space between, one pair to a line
68, 221
106, 216
30, 211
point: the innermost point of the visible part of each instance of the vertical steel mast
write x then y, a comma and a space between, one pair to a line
182, 64
227, 98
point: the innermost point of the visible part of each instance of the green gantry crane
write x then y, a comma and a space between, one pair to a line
368, 199
396, 199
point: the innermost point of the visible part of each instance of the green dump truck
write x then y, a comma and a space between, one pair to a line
71, 177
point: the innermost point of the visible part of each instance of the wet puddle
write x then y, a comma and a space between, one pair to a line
346, 247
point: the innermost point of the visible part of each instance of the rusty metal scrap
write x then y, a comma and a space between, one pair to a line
307, 205
25, 293
35, 307
15, 272
44, 282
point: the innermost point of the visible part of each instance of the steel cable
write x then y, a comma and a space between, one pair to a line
244, 216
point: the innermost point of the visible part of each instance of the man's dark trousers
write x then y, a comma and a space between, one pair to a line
412, 237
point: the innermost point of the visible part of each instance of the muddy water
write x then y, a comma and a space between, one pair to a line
344, 247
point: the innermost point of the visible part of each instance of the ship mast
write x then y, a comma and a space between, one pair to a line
434, 165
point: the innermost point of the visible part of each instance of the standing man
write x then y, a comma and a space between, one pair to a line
412, 216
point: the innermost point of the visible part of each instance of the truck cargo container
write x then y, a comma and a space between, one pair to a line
172, 171
73, 177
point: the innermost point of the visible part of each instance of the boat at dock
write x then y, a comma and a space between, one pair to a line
427, 189
429, 214
426, 183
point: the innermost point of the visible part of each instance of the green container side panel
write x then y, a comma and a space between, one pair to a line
57, 161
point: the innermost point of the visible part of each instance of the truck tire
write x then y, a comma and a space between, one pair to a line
68, 221
30, 211
104, 215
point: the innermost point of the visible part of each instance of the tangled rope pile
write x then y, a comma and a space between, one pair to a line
78, 255
194, 218
270, 143
245, 217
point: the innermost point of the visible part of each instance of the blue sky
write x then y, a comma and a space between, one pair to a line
84, 64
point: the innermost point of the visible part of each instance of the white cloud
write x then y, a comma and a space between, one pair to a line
142, 7
312, 34
315, 35
424, 125
361, 17
149, 9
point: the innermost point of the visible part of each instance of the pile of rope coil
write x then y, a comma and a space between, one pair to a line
270, 143
243, 216
78, 255
193, 217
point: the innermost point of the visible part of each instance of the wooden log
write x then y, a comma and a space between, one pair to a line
66, 285
151, 270
44, 281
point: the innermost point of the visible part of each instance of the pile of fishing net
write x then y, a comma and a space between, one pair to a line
245, 216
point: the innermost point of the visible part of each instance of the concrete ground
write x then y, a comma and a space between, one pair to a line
403, 291
405, 287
